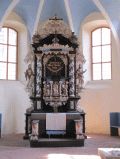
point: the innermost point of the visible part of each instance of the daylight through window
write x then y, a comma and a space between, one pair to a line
8, 54
101, 54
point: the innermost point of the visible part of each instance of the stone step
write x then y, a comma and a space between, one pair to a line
57, 142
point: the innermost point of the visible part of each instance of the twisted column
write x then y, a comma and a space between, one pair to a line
38, 76
71, 76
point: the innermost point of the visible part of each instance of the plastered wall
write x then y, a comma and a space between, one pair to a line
14, 99
99, 98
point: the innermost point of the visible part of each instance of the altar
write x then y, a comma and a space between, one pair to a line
48, 123
55, 81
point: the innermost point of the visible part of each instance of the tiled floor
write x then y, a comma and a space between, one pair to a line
14, 147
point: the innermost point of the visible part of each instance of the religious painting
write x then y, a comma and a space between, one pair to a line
55, 68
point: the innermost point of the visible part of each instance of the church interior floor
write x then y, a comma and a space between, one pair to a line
14, 147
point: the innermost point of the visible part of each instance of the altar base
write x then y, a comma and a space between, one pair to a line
57, 142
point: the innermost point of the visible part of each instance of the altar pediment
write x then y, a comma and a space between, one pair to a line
54, 24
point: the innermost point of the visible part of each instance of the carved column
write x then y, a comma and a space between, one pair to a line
72, 75
38, 76
51, 88
60, 90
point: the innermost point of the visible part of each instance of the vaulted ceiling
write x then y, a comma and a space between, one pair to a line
73, 12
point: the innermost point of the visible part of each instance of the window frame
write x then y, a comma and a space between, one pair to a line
7, 45
102, 79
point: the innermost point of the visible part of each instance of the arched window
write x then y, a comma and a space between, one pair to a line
101, 54
8, 54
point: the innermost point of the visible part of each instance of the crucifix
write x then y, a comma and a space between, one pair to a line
55, 20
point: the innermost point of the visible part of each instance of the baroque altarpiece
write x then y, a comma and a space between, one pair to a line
54, 81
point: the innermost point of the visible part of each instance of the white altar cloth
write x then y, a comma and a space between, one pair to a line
109, 153
56, 121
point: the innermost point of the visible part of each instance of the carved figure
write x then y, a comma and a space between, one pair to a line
64, 88
29, 72
46, 89
29, 75
73, 38
56, 89
79, 75
34, 128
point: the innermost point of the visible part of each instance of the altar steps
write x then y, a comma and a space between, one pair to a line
57, 142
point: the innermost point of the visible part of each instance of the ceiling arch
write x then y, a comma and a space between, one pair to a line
5, 9
73, 12
80, 10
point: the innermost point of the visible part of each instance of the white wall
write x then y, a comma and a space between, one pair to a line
13, 103
14, 99
99, 98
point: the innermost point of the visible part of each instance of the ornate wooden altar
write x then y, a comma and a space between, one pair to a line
54, 87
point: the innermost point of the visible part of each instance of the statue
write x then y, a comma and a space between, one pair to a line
73, 38
64, 88
35, 128
79, 76
56, 89
29, 75
46, 89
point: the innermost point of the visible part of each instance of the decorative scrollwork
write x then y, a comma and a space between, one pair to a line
52, 26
